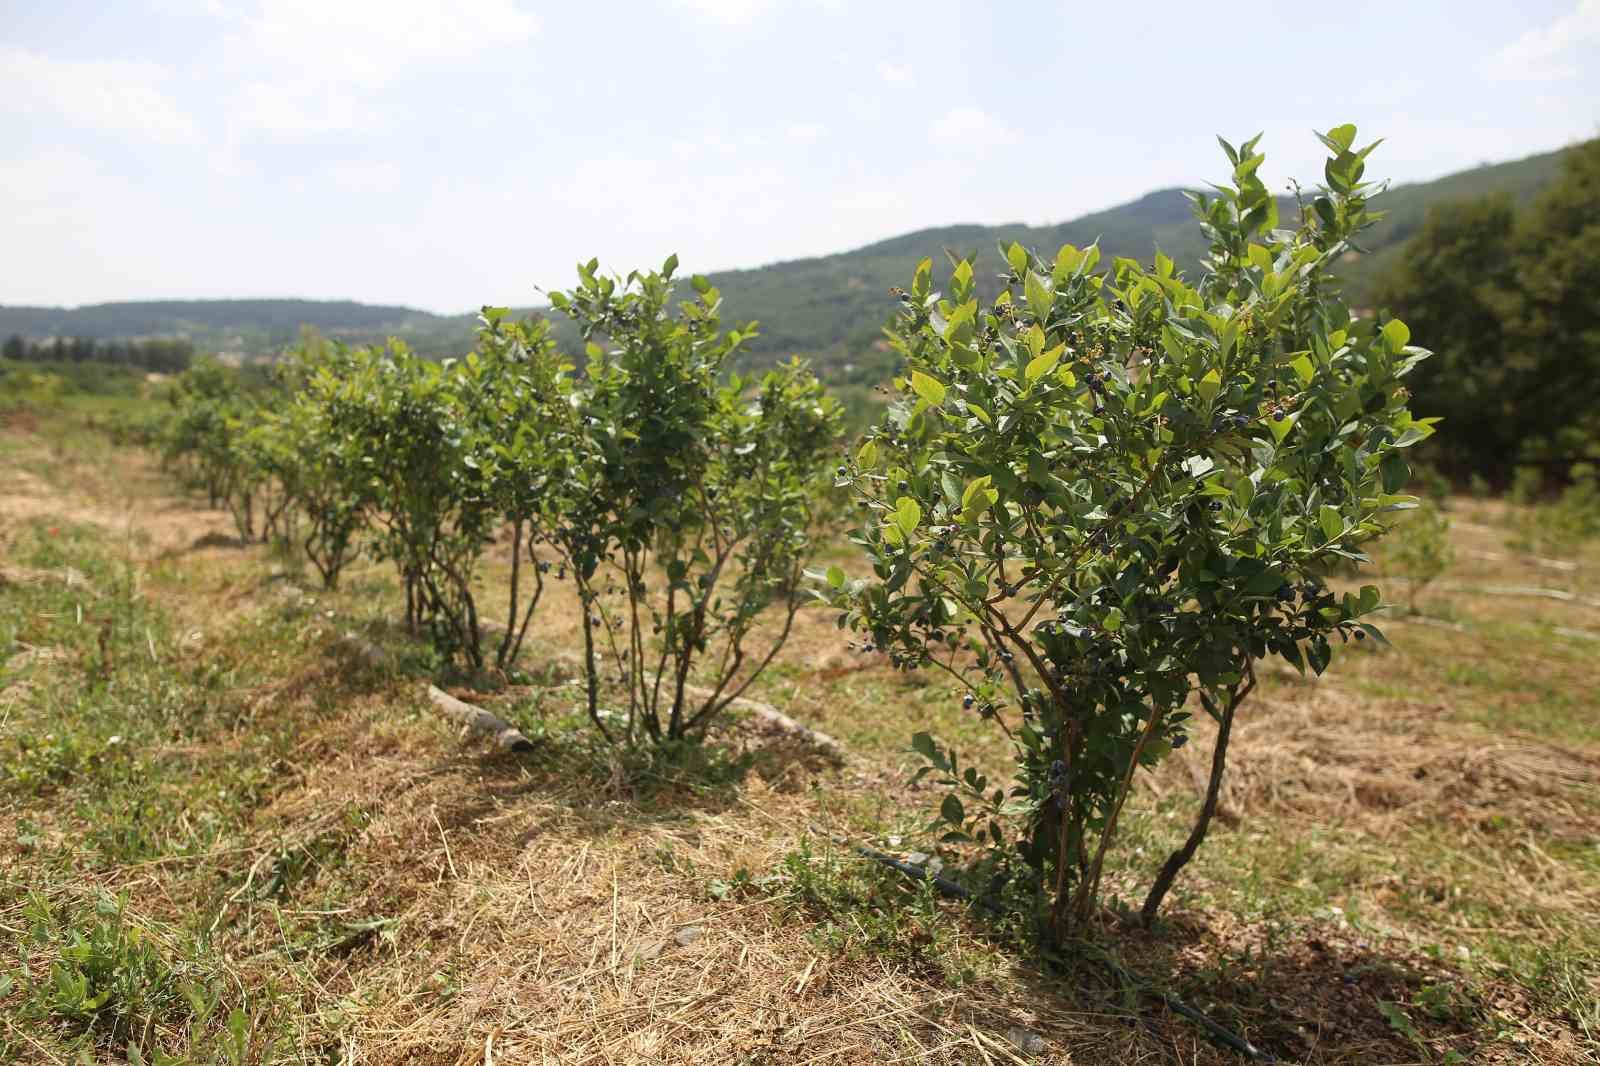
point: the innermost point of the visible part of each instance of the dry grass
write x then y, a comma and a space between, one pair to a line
370, 890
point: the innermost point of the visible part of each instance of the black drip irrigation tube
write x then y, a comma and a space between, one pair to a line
951, 890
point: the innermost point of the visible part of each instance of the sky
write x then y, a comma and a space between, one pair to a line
447, 155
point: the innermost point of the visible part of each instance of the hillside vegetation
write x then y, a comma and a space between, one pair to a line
830, 308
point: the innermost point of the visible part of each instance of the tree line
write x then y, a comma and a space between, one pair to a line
166, 355
1509, 300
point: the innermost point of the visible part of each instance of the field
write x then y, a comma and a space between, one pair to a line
240, 836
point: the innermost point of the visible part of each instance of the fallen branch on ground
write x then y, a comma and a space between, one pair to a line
475, 720
770, 715
763, 712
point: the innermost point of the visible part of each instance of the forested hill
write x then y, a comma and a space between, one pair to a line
251, 326
841, 300
825, 306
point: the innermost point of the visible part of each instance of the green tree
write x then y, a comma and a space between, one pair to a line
16, 348
1555, 328
1507, 302
1455, 286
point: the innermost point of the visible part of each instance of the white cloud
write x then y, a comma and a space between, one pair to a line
971, 129
82, 224
807, 132
1546, 53
741, 14
112, 96
728, 12
366, 177
897, 73
307, 67
864, 108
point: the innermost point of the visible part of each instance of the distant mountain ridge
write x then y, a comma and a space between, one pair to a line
821, 306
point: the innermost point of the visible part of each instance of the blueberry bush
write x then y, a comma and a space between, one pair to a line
1100, 499
691, 500
681, 498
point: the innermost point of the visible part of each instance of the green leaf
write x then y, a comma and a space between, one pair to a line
1281, 425
1039, 296
867, 457
1039, 367
907, 515
1396, 335
922, 744
1113, 620
977, 486
1395, 472
1209, 386
1264, 583
1331, 521
1067, 260
1303, 368
928, 388
1017, 257
1034, 340
1344, 136
952, 811
961, 326
922, 281
836, 577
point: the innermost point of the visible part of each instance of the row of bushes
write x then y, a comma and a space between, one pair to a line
1097, 501
681, 502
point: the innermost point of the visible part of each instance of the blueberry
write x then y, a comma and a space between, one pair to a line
843, 471
1180, 740
1361, 635
967, 701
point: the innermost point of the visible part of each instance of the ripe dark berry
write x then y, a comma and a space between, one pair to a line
1361, 635
1214, 506
967, 701
843, 471
1180, 740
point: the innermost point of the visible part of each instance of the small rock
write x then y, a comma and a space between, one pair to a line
917, 858
688, 935
1027, 1041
